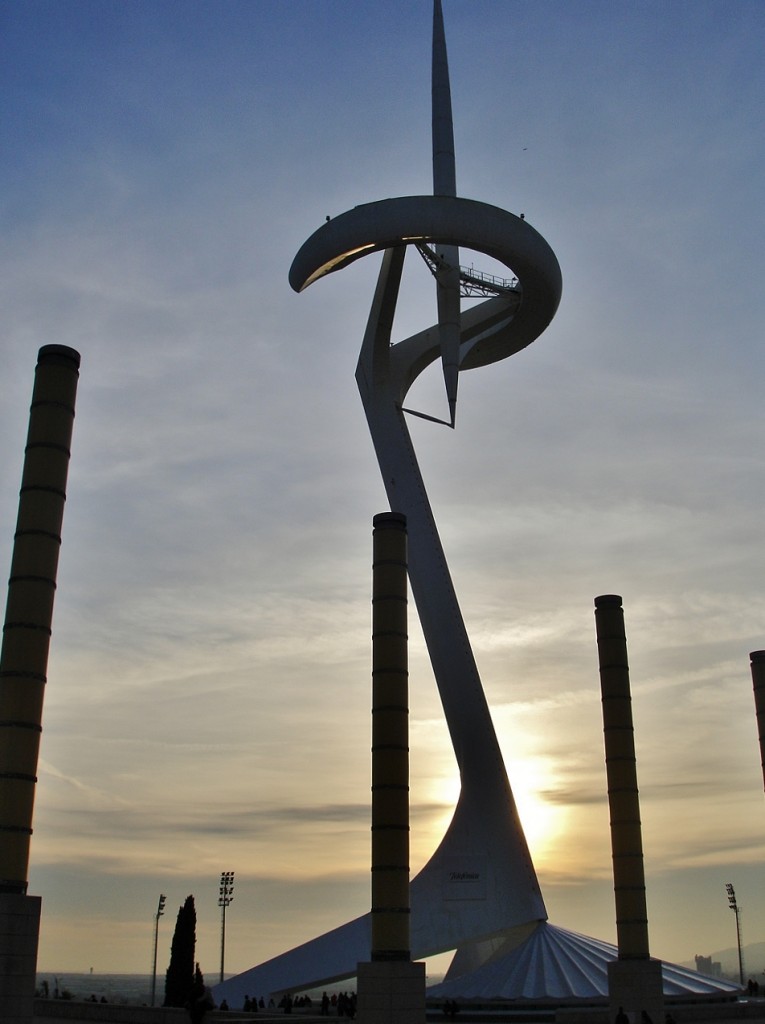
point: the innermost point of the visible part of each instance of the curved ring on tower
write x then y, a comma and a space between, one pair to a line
445, 220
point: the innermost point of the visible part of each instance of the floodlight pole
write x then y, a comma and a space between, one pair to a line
736, 910
159, 913
225, 896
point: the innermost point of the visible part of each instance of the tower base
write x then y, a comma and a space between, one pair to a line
391, 992
19, 934
636, 986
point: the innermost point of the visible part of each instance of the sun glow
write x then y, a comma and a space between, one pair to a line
543, 821
532, 779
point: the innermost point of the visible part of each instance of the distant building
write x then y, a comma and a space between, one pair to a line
705, 965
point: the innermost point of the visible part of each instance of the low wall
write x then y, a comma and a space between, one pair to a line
54, 1011
682, 1013
65, 1011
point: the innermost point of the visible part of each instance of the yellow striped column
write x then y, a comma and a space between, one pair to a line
621, 773
634, 979
390, 741
29, 611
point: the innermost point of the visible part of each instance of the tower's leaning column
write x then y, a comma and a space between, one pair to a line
24, 662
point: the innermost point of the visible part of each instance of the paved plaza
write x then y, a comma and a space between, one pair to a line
57, 1012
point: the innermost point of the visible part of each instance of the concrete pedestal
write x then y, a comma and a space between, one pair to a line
391, 992
19, 932
636, 986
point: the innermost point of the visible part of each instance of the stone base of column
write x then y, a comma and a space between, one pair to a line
636, 986
390, 992
19, 934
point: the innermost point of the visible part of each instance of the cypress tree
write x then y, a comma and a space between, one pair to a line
199, 978
179, 979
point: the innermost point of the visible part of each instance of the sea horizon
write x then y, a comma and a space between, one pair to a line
126, 989
111, 986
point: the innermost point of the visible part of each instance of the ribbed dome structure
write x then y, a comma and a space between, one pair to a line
553, 963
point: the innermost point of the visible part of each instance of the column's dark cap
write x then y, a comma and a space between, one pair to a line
389, 521
59, 354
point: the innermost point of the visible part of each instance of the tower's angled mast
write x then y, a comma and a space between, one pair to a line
445, 184
479, 887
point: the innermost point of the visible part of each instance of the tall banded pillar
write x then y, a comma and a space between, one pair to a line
390, 740
29, 611
634, 980
24, 663
391, 989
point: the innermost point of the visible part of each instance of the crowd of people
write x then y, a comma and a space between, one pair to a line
341, 1004
344, 1004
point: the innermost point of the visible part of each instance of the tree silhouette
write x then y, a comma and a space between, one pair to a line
179, 980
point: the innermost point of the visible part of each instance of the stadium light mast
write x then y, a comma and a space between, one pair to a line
159, 913
736, 910
225, 896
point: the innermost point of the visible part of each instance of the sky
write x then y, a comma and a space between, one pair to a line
209, 681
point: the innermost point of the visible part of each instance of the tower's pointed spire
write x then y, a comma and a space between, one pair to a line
445, 184
444, 177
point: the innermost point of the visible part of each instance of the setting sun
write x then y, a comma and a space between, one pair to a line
543, 822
